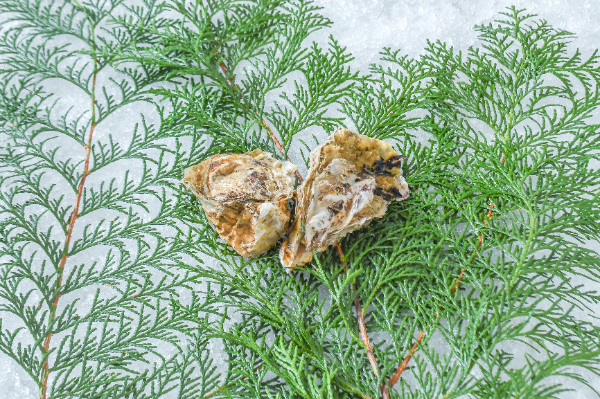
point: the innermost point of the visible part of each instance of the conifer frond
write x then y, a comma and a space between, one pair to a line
87, 271
113, 284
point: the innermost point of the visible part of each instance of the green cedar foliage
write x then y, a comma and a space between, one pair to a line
504, 197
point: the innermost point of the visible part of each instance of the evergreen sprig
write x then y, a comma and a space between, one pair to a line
88, 266
114, 284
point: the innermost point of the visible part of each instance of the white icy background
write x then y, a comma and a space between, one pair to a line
365, 27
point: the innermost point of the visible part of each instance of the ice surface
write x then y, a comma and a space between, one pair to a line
365, 27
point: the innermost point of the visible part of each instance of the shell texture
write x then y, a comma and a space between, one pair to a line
245, 197
351, 180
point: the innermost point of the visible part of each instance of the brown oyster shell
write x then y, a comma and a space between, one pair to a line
245, 197
351, 180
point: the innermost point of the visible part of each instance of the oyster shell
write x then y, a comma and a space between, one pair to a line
245, 197
351, 180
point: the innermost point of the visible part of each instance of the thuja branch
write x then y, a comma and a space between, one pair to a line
402, 366
74, 215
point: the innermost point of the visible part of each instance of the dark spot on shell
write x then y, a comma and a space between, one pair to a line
258, 176
290, 204
260, 163
382, 168
395, 161
388, 194
336, 207
214, 165
258, 180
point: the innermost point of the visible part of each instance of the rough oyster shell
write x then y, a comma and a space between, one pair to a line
245, 197
351, 180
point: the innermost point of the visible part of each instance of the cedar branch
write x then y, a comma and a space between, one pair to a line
74, 215
402, 366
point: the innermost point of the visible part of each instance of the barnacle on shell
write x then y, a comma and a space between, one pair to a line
351, 180
245, 197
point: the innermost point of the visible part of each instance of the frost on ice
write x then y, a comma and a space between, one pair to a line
245, 197
351, 180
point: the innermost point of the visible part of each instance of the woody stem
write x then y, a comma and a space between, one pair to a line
61, 265
362, 328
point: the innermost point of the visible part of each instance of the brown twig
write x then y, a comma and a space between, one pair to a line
63, 260
264, 123
362, 328
211, 393
458, 281
225, 70
360, 317
396, 376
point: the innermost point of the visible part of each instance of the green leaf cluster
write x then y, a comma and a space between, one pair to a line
114, 285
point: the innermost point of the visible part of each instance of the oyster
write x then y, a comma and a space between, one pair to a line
351, 180
245, 197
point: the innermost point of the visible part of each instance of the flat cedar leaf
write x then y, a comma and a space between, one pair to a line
114, 285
